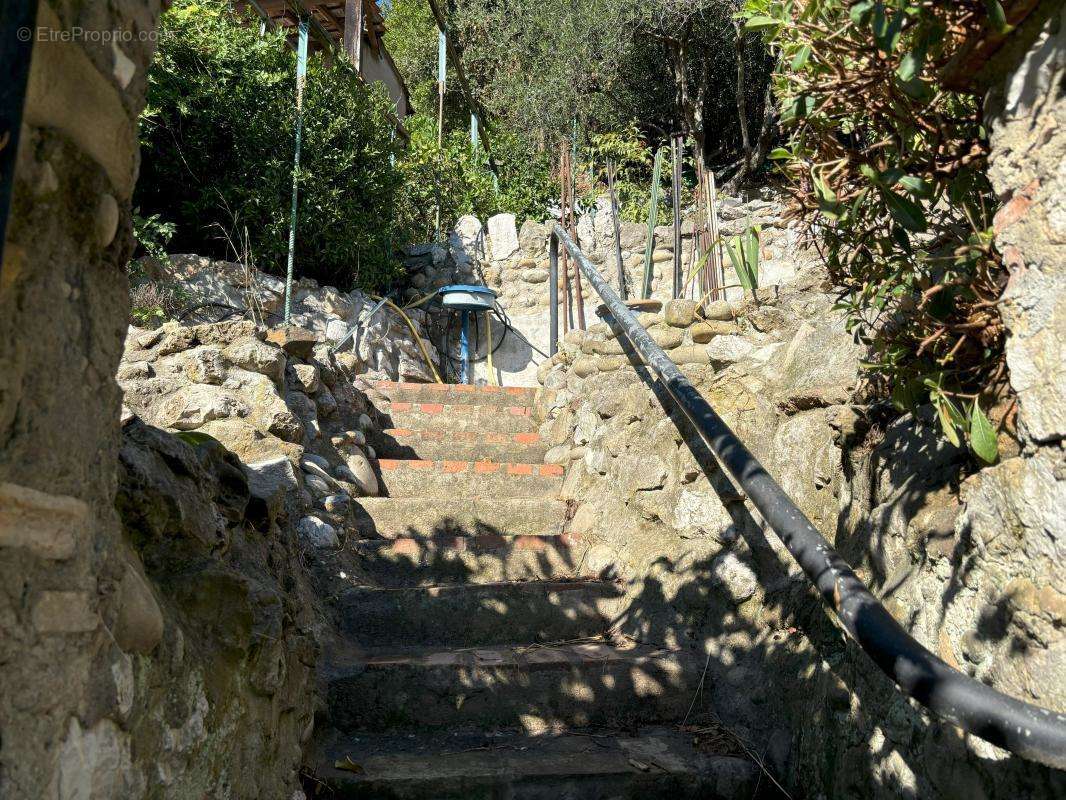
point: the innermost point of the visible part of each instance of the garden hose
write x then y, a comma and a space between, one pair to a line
418, 339
424, 298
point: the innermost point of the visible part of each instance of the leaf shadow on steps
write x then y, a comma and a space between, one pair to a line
818, 710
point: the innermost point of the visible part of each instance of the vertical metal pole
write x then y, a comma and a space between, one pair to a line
464, 347
553, 295
579, 292
301, 77
617, 231
676, 189
473, 132
442, 70
563, 156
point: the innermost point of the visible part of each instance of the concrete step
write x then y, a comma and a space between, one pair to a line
478, 558
537, 687
474, 445
654, 763
469, 615
458, 417
456, 393
415, 516
484, 479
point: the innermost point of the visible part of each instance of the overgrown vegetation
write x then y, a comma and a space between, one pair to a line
217, 151
887, 166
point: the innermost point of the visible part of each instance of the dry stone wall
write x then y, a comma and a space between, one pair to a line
383, 345
514, 263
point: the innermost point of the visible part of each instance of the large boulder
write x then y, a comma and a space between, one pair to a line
193, 405
502, 237
255, 356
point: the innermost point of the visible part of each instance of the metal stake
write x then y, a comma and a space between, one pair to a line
301, 77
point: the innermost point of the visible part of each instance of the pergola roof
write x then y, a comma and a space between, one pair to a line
329, 14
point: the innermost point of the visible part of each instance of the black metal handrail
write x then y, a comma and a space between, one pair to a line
1029, 731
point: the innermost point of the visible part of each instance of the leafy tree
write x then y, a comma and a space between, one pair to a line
217, 150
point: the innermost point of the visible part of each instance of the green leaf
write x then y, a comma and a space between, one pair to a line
780, 154
906, 212
887, 28
946, 423
911, 64
860, 12
916, 186
760, 23
983, 440
799, 61
997, 15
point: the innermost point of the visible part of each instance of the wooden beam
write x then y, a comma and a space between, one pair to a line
353, 33
331, 43
457, 64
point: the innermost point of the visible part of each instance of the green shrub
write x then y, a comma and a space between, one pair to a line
217, 150
887, 165
466, 185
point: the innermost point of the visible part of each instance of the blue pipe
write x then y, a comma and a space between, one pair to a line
464, 348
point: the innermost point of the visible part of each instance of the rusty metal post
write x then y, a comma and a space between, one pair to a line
553, 295
676, 199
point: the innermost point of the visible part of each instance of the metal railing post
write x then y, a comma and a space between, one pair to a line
553, 294
1027, 730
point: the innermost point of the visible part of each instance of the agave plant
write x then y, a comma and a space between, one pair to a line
743, 252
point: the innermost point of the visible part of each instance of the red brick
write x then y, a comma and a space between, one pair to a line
519, 469
398, 431
551, 470
495, 438
417, 464
431, 408
405, 546
486, 466
530, 543
518, 411
450, 467
401, 406
388, 464
527, 438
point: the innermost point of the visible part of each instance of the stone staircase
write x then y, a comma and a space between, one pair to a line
473, 655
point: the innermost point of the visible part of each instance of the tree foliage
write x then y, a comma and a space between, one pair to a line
218, 141
888, 167
609, 64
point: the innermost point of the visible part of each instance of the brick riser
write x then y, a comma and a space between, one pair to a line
485, 479
455, 393
479, 418
475, 445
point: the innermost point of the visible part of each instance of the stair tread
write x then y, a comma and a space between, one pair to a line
521, 586
430, 389
412, 516
514, 656
501, 755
